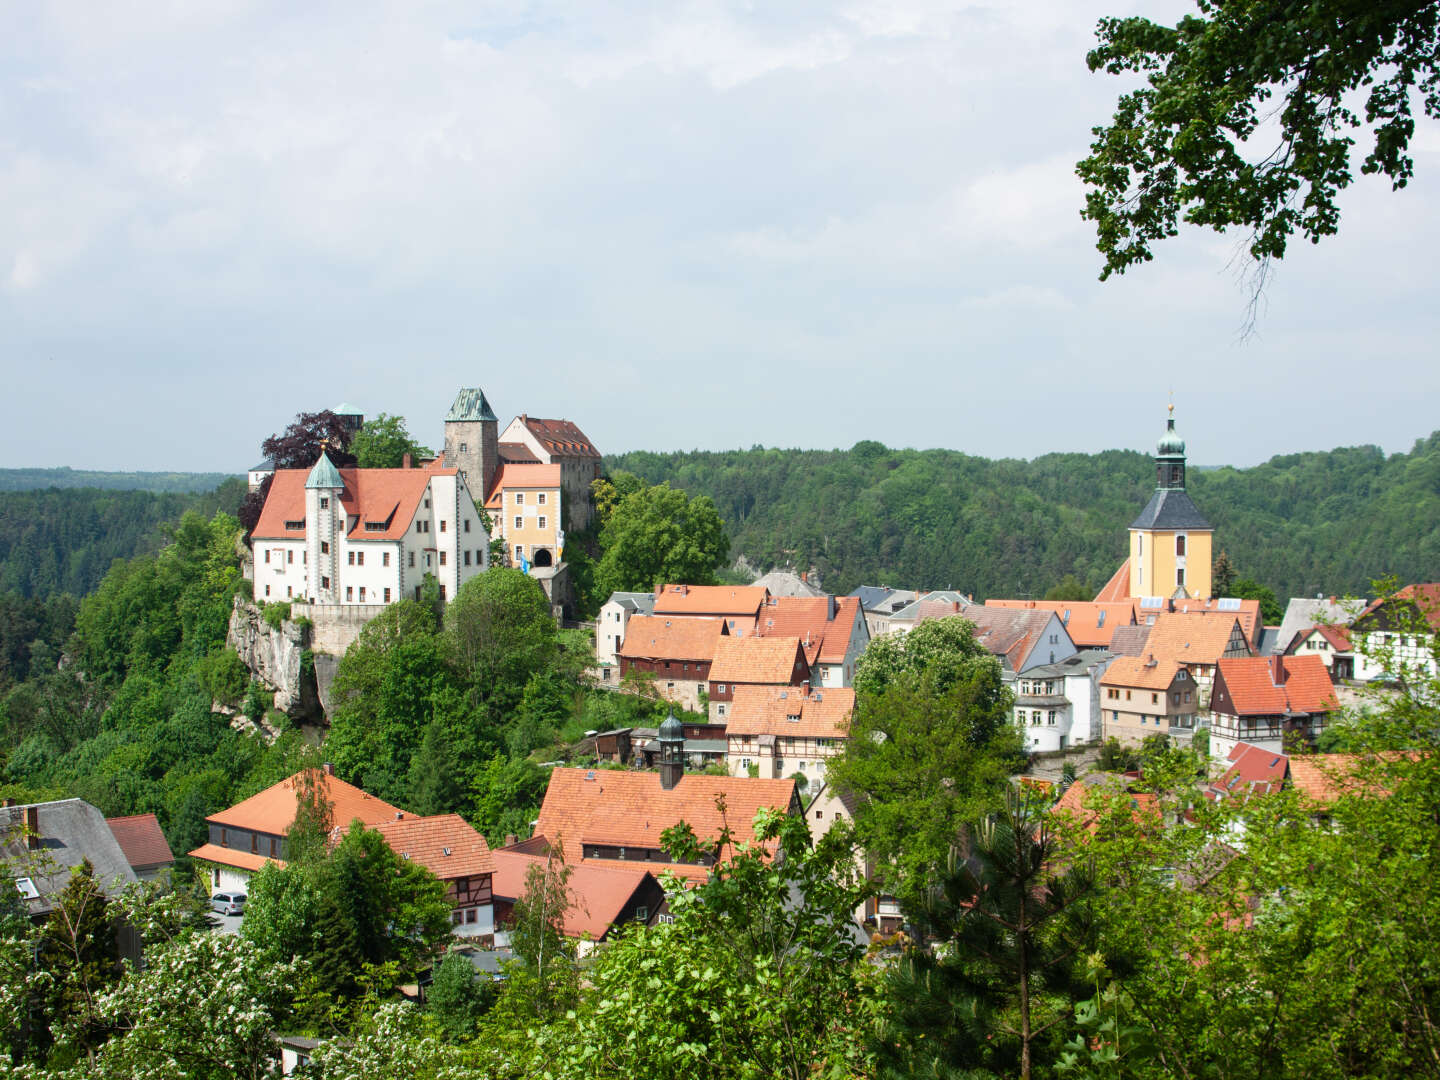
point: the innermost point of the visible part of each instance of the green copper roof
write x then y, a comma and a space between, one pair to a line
1170, 444
346, 409
324, 474
470, 404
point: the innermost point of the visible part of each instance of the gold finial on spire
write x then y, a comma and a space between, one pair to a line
1172, 401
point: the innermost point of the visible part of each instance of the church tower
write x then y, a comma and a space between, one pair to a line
472, 441
1170, 542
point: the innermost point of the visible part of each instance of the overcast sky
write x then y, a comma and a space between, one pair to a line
679, 225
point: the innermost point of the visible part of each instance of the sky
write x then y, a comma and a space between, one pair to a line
688, 225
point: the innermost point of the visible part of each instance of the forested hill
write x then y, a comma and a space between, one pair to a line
65, 477
63, 541
1303, 523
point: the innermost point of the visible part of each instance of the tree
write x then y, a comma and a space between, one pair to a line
1178, 148
1070, 588
507, 793
458, 997
1271, 610
930, 748
78, 950
544, 982
298, 447
1223, 577
437, 782
1015, 926
383, 441
500, 632
656, 535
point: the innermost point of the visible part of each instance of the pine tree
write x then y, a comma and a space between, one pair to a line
1223, 576
436, 784
78, 949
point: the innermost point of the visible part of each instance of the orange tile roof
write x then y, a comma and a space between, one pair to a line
653, 637
776, 661
517, 453
447, 845
141, 839
766, 710
560, 437
709, 600
809, 616
631, 809
224, 856
1425, 598
513, 477
1140, 672
1245, 612
1253, 771
272, 811
369, 496
1190, 638
1303, 685
1117, 588
598, 891
1090, 624
1080, 805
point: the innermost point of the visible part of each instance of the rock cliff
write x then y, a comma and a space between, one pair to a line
279, 659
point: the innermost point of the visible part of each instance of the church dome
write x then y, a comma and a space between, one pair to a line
1170, 444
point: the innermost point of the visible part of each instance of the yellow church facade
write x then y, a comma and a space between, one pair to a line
1171, 552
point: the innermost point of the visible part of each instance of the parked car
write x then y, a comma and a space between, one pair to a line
228, 903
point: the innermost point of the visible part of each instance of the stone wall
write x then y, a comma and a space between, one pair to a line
334, 627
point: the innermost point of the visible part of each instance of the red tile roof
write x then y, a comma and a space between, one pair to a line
808, 618
142, 841
243, 860
517, 453
1275, 685
767, 710
516, 477
631, 809
1191, 638
372, 496
1117, 588
1090, 624
653, 637
598, 891
1246, 612
272, 811
1253, 771
561, 437
1142, 672
1082, 802
1008, 633
446, 845
776, 661
709, 600
1337, 637
1425, 598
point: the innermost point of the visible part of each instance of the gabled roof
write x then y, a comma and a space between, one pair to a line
1245, 612
1192, 638
1275, 685
1301, 613
272, 811
770, 710
598, 891
1117, 588
1144, 673
1008, 633
827, 639
709, 600
561, 437
631, 809
1323, 778
654, 637
1253, 771
388, 497
1130, 640
1171, 508
1424, 600
469, 406
772, 660
786, 583
514, 477
932, 605
1089, 623
642, 603
142, 841
1337, 637
446, 844
229, 856
70, 831
517, 453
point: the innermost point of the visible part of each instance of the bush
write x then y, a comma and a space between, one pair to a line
223, 676
276, 613
257, 701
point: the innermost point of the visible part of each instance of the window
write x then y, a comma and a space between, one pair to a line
442, 557
1179, 576
519, 522
1127, 695
519, 498
360, 558
385, 558
467, 556
417, 527
467, 524
267, 555
427, 504
642, 913
290, 557
412, 558
542, 521
470, 915
362, 594
274, 847
464, 448
519, 552
720, 710
267, 590
1154, 699
540, 498
720, 688
387, 596
1052, 718
324, 583
289, 592
444, 524
1180, 545
224, 837
324, 503
324, 547
292, 526
254, 844
351, 559
349, 592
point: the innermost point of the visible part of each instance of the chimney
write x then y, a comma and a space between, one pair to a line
830, 607
509, 839
405, 461
32, 827
399, 815
1277, 669
329, 768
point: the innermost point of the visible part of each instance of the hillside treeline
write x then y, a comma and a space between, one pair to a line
63, 541
1303, 523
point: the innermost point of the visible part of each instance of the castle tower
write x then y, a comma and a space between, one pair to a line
324, 517
1170, 542
472, 441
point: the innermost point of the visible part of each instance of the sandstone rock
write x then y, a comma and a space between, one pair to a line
276, 658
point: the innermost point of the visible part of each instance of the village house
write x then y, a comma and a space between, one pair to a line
754, 661
41, 844
738, 605
1303, 613
832, 631
783, 731
525, 510
1091, 625
617, 818
365, 536
143, 842
931, 605
611, 625
451, 849
676, 653
1147, 696
880, 603
602, 899
1058, 706
1271, 702
1395, 635
252, 833
560, 443
1199, 642
1331, 644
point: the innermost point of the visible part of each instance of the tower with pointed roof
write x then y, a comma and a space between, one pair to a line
323, 517
472, 442
1170, 542
672, 752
